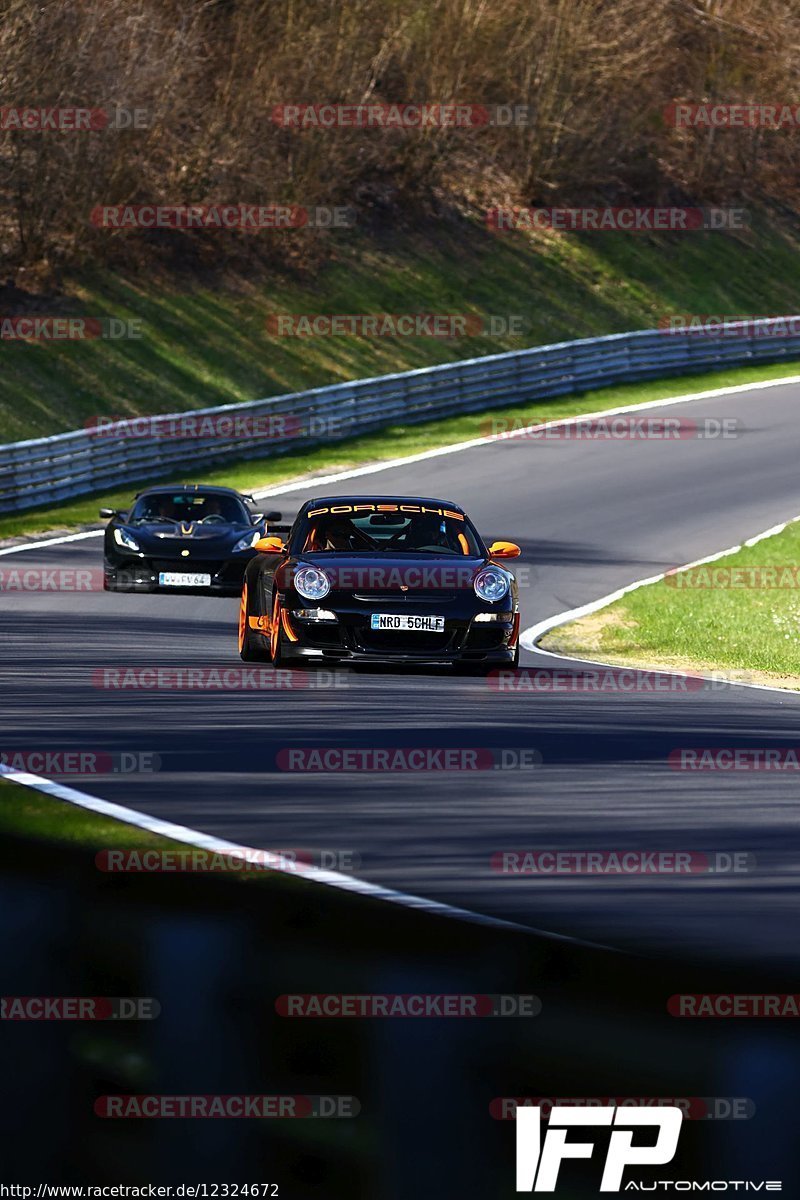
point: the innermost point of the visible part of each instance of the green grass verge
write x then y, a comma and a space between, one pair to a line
204, 341
393, 442
706, 619
28, 813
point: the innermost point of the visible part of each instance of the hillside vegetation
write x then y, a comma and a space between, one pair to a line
200, 86
206, 76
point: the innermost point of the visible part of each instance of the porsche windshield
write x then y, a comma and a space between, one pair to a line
396, 532
208, 508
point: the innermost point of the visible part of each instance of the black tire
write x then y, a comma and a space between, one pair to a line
253, 646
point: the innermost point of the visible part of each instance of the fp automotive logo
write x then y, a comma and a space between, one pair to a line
538, 1165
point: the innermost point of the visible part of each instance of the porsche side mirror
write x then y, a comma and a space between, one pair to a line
269, 545
274, 516
108, 512
504, 550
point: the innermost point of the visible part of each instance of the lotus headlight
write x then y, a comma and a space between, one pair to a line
247, 542
491, 584
312, 583
125, 539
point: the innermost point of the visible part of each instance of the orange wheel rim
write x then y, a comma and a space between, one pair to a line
242, 617
275, 627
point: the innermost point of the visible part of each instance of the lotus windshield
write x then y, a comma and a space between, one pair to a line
212, 508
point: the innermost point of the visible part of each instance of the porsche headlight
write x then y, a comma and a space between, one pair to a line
247, 542
491, 584
125, 539
315, 614
312, 583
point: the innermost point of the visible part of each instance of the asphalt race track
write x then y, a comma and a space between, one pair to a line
590, 517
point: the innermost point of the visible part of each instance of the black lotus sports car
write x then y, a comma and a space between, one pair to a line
190, 537
390, 579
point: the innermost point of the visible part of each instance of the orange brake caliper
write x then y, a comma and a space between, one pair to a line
275, 627
242, 617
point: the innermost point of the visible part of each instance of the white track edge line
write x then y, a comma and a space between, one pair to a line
206, 841
530, 636
282, 489
54, 541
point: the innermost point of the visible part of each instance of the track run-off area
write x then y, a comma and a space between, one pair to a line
564, 766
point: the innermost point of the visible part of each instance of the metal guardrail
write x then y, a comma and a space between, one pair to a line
47, 470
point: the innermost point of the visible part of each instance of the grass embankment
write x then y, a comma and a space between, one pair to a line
24, 812
739, 614
393, 442
204, 342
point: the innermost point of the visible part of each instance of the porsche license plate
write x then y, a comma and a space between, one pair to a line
410, 622
182, 579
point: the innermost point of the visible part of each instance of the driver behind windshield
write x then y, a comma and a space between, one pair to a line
338, 533
423, 533
211, 508
193, 508
218, 510
157, 508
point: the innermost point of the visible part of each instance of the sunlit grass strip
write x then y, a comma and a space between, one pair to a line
739, 613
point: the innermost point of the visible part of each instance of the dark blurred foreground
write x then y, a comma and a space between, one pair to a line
216, 953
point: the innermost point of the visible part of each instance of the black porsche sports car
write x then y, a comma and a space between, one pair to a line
190, 537
391, 579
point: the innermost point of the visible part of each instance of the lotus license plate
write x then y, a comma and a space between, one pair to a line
182, 579
408, 622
